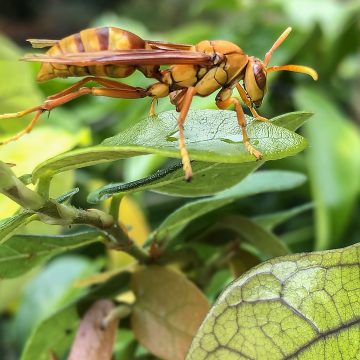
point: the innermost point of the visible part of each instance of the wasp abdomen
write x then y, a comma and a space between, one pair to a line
91, 40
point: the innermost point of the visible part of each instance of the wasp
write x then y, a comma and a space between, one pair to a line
99, 54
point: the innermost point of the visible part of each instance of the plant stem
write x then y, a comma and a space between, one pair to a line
52, 212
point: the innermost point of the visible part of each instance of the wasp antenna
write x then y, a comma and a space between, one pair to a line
277, 43
295, 68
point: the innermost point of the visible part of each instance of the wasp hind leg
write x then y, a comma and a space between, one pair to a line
109, 88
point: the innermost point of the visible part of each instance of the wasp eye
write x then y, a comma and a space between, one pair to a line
260, 76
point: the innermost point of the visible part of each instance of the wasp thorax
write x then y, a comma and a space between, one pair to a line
255, 80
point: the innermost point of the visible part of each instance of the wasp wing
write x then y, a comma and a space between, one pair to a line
154, 44
126, 57
165, 45
42, 43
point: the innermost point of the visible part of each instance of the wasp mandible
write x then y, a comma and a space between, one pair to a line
97, 54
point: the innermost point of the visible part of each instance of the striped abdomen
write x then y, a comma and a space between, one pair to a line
90, 40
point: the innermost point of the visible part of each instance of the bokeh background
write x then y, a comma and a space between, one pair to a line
326, 36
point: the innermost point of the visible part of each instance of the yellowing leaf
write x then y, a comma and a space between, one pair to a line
168, 310
304, 306
29, 151
93, 340
132, 216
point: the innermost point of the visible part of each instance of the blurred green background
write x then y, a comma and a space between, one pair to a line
326, 36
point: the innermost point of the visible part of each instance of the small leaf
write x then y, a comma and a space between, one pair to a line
23, 252
270, 221
303, 306
67, 196
42, 295
259, 182
168, 311
212, 136
10, 225
56, 332
208, 179
93, 340
60, 326
252, 233
241, 262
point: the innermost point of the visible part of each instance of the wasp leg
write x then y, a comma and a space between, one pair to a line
157, 90
224, 104
177, 98
248, 103
28, 128
121, 91
190, 93
152, 111
101, 81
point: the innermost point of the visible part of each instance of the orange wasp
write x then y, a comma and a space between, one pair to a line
98, 54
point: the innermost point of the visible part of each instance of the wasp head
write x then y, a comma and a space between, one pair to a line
256, 71
255, 80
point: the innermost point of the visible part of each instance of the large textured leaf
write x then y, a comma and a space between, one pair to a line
303, 306
212, 136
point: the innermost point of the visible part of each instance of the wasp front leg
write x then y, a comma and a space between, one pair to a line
223, 101
248, 103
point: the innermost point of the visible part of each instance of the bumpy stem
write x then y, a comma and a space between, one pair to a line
52, 212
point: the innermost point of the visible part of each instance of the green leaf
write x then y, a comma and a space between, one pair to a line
56, 332
215, 131
211, 135
270, 221
303, 306
10, 225
42, 295
23, 252
18, 87
11, 290
256, 183
208, 177
252, 233
334, 166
